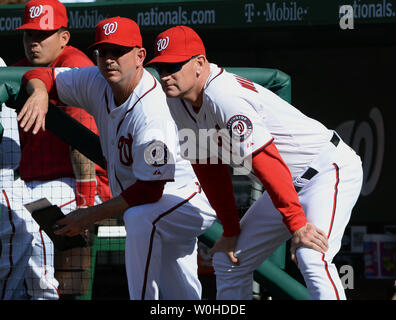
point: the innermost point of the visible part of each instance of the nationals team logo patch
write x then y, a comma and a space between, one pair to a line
240, 127
156, 154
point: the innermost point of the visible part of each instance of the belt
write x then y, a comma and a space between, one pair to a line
311, 172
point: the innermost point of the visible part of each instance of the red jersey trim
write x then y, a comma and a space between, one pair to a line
261, 148
220, 72
44, 254
131, 108
142, 192
330, 228
196, 110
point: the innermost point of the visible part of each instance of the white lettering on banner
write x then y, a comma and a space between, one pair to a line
10, 23
276, 12
374, 146
380, 9
156, 17
85, 19
249, 11
110, 28
291, 12
162, 44
36, 11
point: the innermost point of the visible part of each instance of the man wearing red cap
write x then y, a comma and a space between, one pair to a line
278, 146
156, 190
48, 166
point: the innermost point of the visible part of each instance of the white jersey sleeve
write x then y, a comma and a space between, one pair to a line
154, 151
75, 86
257, 115
242, 127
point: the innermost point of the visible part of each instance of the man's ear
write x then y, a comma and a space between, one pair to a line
200, 64
141, 55
65, 37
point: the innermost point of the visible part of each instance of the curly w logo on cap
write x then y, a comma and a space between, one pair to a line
177, 44
162, 44
110, 28
119, 31
36, 11
44, 15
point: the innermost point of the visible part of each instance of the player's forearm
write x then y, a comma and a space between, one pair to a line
84, 171
109, 209
138, 194
33, 112
36, 86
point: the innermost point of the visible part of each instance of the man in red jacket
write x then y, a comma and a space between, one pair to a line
49, 167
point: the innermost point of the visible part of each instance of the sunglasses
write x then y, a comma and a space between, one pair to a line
170, 68
115, 52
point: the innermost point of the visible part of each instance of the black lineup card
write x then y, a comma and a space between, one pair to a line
46, 215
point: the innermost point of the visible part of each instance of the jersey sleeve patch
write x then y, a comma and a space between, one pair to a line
240, 127
156, 154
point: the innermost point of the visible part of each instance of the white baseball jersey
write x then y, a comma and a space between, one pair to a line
140, 141
253, 117
132, 134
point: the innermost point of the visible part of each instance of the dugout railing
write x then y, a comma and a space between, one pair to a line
271, 274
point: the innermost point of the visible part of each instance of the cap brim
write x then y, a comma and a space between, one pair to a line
34, 26
169, 59
118, 43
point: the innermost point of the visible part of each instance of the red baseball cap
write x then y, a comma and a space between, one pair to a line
46, 15
177, 44
119, 31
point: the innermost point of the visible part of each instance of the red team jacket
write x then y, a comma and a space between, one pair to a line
44, 156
